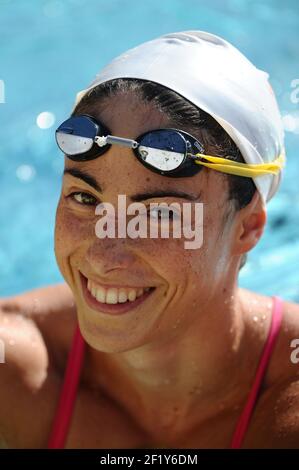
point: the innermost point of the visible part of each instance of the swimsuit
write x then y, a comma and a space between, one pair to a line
72, 375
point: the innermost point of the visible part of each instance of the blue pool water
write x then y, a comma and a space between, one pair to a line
50, 49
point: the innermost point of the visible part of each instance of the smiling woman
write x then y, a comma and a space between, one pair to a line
149, 344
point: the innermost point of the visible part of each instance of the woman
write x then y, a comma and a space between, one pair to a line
150, 344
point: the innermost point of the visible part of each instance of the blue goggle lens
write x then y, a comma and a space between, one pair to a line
76, 135
162, 149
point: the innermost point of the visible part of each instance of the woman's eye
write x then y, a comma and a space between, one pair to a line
83, 198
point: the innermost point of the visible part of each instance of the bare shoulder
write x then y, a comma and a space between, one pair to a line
32, 342
23, 373
51, 308
284, 364
275, 421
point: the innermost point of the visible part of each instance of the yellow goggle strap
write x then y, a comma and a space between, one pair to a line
241, 169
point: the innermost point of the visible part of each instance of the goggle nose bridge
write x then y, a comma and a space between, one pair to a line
101, 141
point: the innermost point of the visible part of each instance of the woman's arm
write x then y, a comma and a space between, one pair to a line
36, 329
52, 308
40, 301
23, 370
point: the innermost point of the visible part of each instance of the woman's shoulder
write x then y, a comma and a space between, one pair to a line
284, 355
260, 309
36, 328
275, 422
50, 311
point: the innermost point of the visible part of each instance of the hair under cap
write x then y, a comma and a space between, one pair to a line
215, 76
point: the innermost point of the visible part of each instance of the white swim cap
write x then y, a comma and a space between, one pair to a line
216, 77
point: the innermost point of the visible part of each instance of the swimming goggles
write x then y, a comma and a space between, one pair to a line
169, 152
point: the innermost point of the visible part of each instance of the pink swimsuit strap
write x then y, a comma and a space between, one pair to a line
244, 419
67, 398
68, 394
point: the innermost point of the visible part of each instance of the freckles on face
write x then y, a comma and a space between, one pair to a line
71, 230
72, 235
178, 268
210, 261
118, 172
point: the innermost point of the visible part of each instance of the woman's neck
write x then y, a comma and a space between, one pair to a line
191, 376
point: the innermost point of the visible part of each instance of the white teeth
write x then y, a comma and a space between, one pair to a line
132, 295
139, 292
113, 295
94, 291
101, 295
122, 295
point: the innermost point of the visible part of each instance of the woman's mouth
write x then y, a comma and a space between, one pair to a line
113, 299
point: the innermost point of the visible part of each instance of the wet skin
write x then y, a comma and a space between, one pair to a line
180, 364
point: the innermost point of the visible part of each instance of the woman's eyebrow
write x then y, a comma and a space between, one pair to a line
86, 177
164, 193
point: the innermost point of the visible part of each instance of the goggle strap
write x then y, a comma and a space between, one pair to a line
242, 169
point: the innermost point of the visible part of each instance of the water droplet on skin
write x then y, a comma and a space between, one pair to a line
22, 319
176, 323
195, 390
35, 304
281, 433
255, 318
194, 366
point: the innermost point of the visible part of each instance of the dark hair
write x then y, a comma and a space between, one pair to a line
182, 113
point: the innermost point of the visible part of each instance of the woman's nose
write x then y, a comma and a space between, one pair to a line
110, 255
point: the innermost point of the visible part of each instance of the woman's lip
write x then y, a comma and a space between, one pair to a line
112, 309
117, 286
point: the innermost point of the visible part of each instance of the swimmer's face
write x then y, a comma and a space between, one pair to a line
184, 280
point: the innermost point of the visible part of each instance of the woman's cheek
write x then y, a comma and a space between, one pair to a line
168, 256
71, 231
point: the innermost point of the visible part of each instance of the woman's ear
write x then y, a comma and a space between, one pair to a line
250, 223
